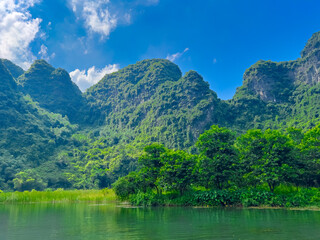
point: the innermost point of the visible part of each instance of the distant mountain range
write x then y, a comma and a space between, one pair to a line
45, 119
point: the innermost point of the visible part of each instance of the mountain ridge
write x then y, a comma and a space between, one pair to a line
64, 135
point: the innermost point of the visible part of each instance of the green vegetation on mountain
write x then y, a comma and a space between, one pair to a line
13, 69
279, 95
53, 90
149, 103
29, 135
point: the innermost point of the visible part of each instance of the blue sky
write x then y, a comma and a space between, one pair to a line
218, 38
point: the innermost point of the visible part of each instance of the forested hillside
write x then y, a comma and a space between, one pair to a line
52, 135
151, 101
53, 90
29, 135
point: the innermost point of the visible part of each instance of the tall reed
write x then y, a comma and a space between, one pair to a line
58, 195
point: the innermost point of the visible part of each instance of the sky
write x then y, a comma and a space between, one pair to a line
219, 39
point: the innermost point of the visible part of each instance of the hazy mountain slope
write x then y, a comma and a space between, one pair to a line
15, 70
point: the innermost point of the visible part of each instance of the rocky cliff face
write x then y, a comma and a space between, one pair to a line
264, 80
276, 82
279, 90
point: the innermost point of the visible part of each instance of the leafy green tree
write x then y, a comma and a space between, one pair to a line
28, 180
178, 170
268, 157
127, 185
151, 164
295, 134
217, 157
310, 153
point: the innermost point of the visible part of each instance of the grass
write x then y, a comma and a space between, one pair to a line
104, 195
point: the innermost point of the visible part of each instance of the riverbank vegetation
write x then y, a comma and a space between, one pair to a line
59, 195
258, 168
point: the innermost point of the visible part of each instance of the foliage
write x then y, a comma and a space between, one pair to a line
128, 185
160, 169
229, 197
29, 135
217, 157
14, 70
28, 180
268, 157
178, 170
310, 154
53, 90
265, 160
58, 195
151, 101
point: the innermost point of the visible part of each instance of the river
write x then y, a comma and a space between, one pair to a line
81, 221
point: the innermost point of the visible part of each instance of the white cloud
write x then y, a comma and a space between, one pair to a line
215, 61
103, 16
85, 79
44, 53
96, 15
17, 30
177, 55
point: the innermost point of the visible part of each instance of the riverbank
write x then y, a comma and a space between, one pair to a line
104, 195
261, 198
303, 198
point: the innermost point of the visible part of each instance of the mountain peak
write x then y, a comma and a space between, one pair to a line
147, 70
40, 63
312, 45
6, 80
192, 74
148, 73
14, 69
52, 88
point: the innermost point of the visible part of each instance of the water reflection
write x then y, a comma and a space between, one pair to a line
108, 221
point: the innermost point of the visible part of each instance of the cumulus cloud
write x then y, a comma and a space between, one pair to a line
85, 79
177, 55
17, 30
103, 16
96, 15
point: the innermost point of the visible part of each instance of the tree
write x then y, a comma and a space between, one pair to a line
28, 180
217, 157
127, 185
310, 153
177, 171
268, 157
151, 164
295, 134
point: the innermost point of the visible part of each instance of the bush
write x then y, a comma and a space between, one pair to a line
225, 198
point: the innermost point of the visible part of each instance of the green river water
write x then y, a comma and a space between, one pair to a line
110, 221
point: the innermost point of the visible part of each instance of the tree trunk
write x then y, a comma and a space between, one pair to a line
271, 187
